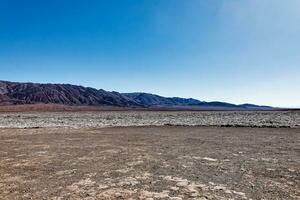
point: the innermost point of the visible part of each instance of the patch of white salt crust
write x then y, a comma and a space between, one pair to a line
157, 118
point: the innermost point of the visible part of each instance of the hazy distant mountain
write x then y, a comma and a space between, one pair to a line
156, 100
147, 99
253, 106
13, 93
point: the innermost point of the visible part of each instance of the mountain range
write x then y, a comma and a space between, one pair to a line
14, 93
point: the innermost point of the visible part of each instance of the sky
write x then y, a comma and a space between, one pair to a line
214, 50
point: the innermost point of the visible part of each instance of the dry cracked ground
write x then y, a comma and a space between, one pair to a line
275, 119
150, 163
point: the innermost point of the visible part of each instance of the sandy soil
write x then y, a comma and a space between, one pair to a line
149, 118
150, 163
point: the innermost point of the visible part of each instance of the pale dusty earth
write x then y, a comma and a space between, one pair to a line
170, 162
151, 118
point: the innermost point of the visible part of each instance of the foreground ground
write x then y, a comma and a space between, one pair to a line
150, 163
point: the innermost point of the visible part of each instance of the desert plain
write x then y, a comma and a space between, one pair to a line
150, 155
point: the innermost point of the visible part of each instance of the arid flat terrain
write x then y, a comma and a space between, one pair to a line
150, 163
102, 119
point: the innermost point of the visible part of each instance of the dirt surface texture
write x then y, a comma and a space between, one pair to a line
167, 162
148, 118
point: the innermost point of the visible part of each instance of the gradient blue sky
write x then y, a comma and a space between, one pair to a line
227, 50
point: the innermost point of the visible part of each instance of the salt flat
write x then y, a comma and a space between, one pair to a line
147, 118
150, 155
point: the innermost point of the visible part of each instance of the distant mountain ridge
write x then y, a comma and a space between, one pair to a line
14, 93
153, 99
156, 100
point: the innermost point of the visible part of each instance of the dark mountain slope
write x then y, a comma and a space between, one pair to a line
30, 93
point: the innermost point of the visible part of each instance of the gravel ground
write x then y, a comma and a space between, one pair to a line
140, 118
149, 163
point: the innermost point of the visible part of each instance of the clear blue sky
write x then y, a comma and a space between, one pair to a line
225, 50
